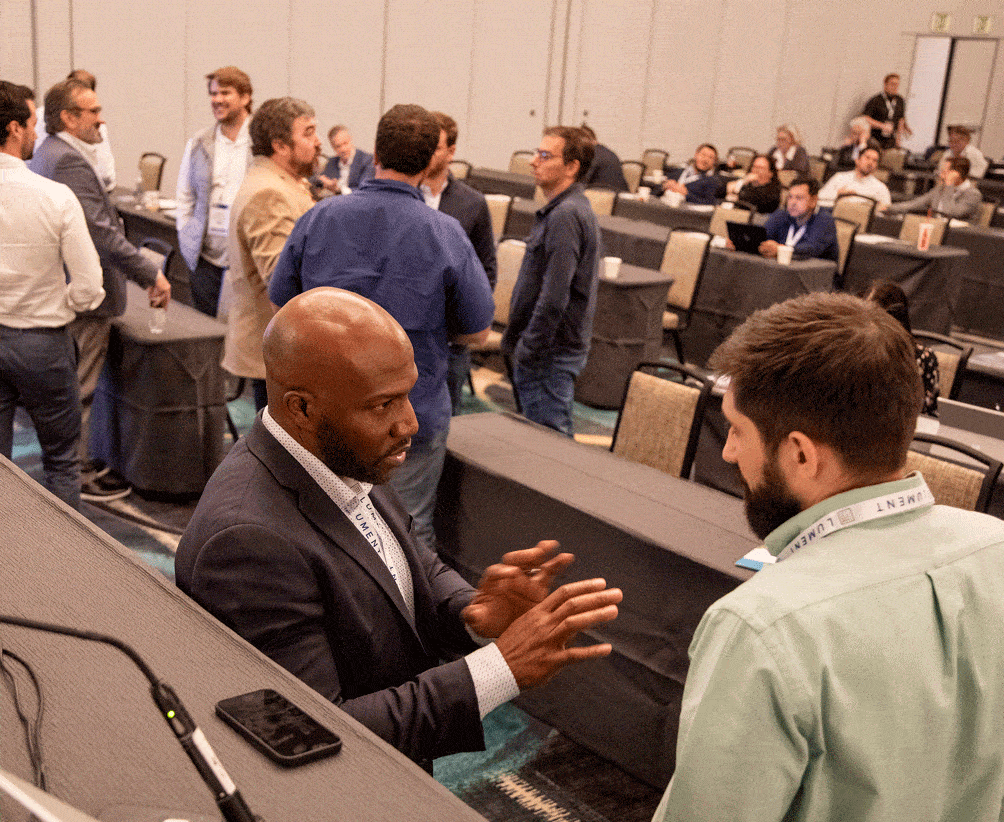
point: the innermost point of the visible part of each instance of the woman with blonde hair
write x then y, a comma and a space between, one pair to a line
788, 152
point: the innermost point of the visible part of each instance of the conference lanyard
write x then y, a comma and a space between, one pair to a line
688, 175
363, 518
890, 106
795, 236
870, 509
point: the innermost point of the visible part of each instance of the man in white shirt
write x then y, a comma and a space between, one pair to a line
861, 180
300, 546
42, 228
959, 146
211, 173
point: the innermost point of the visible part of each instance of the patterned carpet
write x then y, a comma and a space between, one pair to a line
529, 772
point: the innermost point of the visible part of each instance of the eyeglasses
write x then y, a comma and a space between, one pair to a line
544, 155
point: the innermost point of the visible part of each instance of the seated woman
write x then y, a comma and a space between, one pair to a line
891, 297
759, 188
954, 196
698, 182
788, 152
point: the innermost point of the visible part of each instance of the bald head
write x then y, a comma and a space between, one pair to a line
338, 370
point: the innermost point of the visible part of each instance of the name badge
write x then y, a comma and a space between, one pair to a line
219, 220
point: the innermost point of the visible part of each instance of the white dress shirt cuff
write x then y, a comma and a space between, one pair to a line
494, 683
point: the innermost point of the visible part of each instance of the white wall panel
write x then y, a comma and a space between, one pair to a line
337, 66
53, 28
16, 64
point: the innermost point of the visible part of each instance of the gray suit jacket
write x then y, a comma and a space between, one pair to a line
59, 161
270, 554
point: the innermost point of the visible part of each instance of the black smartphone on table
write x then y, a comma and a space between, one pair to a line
278, 728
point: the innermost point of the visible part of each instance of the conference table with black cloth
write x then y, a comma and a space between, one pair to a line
669, 544
496, 181
981, 290
141, 224
160, 407
654, 210
105, 744
931, 279
627, 330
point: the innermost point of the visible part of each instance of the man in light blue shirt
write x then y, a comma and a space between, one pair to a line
859, 676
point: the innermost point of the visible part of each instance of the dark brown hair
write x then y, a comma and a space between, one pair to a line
449, 125
578, 146
13, 107
274, 121
835, 367
407, 137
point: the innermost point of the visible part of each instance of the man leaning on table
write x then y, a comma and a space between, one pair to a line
860, 180
800, 224
859, 677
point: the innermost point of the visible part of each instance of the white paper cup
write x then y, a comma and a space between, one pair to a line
658, 176
611, 267
151, 200
644, 192
924, 236
784, 253
673, 198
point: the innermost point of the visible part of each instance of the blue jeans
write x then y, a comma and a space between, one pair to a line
546, 389
38, 371
416, 482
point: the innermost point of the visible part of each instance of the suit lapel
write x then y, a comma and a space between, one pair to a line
321, 511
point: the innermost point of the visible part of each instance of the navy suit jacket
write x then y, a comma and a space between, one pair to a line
469, 207
59, 161
271, 555
361, 168
705, 190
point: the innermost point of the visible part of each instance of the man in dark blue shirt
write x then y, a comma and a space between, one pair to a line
385, 243
554, 299
810, 232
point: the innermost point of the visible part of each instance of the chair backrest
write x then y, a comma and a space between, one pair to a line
601, 200
510, 258
633, 172
654, 159
742, 156
911, 228
857, 208
935, 158
817, 168
151, 167
986, 213
953, 357
846, 231
660, 417
881, 174
893, 159
519, 163
683, 260
460, 169
954, 480
721, 215
498, 208
787, 176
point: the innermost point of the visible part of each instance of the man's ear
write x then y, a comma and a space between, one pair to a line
299, 405
801, 457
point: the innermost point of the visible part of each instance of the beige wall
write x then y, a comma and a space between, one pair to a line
650, 73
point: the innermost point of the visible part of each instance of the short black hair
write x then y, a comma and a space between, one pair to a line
407, 136
806, 180
14, 107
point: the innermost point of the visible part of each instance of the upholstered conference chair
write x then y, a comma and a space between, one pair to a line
498, 208
953, 478
510, 258
660, 417
633, 172
857, 208
986, 213
740, 212
846, 231
602, 200
654, 159
151, 167
684, 260
519, 163
742, 156
460, 169
911, 228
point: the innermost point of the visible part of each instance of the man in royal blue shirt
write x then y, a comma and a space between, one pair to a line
385, 243
810, 232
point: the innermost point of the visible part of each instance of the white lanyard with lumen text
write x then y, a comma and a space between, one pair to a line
363, 515
795, 236
869, 509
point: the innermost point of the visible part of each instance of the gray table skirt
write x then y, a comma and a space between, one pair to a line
495, 181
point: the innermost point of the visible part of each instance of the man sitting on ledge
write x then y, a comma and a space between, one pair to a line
296, 545
859, 677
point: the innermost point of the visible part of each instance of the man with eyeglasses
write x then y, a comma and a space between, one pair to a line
73, 121
554, 299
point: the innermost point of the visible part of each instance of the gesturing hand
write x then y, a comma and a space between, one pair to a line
535, 645
509, 589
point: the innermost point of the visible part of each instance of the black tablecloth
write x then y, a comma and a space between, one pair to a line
735, 285
627, 330
160, 409
105, 744
495, 181
669, 544
931, 279
655, 211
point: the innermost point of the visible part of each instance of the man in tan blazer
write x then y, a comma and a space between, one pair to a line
273, 196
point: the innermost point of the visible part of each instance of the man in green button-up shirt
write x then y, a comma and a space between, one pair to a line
861, 677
